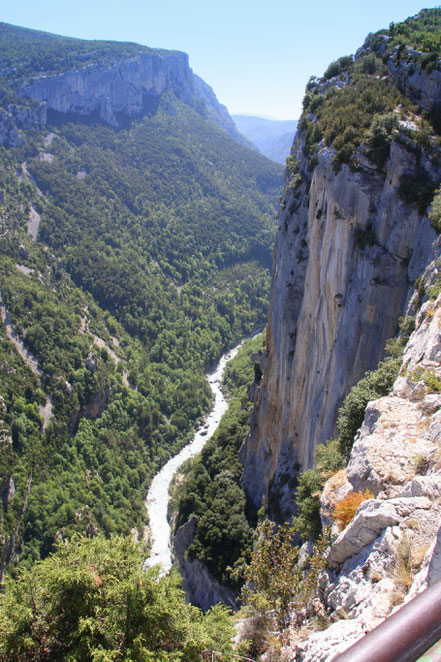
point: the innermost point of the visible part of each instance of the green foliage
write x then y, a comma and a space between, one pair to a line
158, 242
365, 236
277, 578
369, 64
350, 114
435, 212
338, 67
328, 460
379, 138
422, 32
435, 290
417, 189
92, 600
432, 382
211, 485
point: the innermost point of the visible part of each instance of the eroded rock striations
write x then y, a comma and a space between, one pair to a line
391, 549
114, 94
348, 249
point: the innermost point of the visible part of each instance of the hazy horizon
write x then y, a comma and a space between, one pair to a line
257, 57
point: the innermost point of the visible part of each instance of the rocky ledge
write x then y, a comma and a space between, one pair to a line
391, 549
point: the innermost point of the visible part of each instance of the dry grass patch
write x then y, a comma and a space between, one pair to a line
345, 509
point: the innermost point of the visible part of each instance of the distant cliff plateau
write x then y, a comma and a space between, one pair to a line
108, 82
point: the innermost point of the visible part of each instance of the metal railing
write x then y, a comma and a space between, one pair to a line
404, 636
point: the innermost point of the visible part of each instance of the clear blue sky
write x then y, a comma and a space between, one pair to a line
258, 56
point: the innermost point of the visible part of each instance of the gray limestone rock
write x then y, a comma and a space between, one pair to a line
201, 589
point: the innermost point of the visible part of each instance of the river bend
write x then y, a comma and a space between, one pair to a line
158, 494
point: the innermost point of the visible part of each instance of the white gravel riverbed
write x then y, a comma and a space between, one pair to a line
158, 496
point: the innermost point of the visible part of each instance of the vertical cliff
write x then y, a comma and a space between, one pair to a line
353, 236
109, 82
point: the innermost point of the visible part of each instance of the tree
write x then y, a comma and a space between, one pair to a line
278, 578
92, 600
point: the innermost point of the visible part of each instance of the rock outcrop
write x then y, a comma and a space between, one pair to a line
391, 549
15, 118
127, 89
201, 589
348, 250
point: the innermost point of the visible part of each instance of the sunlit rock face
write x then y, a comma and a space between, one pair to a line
125, 87
347, 253
128, 89
391, 550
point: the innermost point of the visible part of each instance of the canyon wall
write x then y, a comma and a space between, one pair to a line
391, 550
114, 94
347, 252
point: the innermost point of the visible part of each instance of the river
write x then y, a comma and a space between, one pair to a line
158, 496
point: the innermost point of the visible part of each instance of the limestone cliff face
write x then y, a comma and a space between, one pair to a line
201, 589
15, 118
128, 89
391, 549
346, 253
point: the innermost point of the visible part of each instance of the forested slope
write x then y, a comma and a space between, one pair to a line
130, 259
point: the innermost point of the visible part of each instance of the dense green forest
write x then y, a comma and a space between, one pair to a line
209, 486
130, 260
93, 600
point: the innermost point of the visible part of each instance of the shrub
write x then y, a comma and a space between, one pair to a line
345, 509
379, 138
338, 66
369, 64
277, 578
328, 460
417, 189
365, 236
435, 212
92, 600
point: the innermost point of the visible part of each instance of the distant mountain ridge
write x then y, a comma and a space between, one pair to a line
110, 82
273, 138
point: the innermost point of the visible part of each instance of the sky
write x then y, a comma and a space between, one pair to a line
257, 56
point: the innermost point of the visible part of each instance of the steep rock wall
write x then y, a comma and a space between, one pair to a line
391, 550
15, 118
346, 252
201, 589
128, 89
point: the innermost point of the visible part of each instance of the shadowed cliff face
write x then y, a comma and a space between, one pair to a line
346, 252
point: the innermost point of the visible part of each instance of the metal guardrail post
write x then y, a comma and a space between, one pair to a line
404, 636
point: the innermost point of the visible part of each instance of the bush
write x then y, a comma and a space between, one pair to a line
435, 212
328, 460
379, 138
92, 600
417, 189
277, 578
346, 508
337, 67
369, 64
